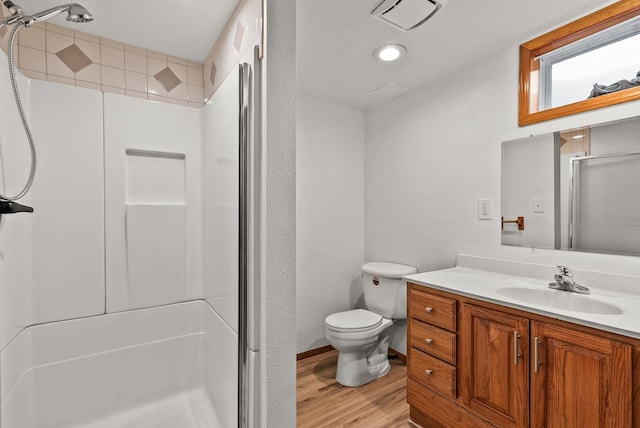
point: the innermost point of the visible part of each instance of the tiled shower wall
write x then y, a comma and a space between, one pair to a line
243, 30
58, 54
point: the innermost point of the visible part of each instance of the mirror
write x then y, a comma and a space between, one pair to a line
576, 190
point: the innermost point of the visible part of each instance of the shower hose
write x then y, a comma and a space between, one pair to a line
23, 118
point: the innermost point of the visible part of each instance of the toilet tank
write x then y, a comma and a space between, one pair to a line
385, 292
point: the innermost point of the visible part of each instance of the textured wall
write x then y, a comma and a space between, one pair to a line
432, 153
279, 295
329, 214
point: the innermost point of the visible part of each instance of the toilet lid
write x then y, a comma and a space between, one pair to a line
356, 320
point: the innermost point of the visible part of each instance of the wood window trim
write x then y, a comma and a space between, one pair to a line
569, 33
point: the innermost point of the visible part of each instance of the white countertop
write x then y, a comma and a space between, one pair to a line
484, 285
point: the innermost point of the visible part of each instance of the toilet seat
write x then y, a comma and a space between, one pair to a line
354, 321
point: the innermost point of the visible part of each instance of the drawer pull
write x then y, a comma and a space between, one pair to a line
428, 372
428, 309
428, 341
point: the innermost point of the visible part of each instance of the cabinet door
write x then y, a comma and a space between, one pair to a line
579, 380
494, 362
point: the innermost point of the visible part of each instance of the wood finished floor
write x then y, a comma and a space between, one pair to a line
323, 402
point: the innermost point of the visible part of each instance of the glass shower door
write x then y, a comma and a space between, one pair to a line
602, 219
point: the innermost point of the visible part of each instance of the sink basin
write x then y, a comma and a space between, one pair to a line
557, 299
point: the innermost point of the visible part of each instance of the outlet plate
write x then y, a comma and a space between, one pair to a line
484, 209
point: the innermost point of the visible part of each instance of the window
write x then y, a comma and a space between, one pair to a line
558, 70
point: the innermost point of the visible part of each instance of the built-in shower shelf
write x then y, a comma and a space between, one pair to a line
9, 207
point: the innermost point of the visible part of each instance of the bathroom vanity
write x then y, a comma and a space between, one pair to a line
489, 348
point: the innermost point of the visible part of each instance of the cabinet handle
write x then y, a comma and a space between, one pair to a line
428, 341
536, 355
516, 340
428, 372
428, 309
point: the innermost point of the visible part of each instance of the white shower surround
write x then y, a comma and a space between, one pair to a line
159, 367
70, 357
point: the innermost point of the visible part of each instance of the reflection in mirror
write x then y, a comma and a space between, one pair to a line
577, 190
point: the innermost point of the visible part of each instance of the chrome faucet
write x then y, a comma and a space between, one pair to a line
564, 281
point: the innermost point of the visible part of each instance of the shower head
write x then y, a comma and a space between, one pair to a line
75, 13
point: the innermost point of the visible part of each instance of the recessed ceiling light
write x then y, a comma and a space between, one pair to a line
388, 53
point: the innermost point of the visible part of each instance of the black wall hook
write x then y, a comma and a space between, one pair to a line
10, 207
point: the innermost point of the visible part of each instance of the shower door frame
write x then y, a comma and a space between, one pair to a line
249, 248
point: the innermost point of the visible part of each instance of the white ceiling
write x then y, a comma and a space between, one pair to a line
336, 40
181, 28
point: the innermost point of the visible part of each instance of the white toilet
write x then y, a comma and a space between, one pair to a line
359, 334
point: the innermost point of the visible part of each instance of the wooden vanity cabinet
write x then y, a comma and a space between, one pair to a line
495, 366
512, 368
579, 380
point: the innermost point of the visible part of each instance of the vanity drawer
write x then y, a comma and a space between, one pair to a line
433, 340
432, 372
435, 310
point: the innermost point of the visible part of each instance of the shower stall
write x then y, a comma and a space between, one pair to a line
128, 297
602, 220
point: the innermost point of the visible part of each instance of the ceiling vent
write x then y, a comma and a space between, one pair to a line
407, 14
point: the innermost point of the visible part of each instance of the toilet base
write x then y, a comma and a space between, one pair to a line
362, 356
353, 369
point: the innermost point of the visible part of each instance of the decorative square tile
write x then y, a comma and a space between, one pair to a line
167, 79
73, 57
55, 67
212, 75
90, 49
237, 40
179, 70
